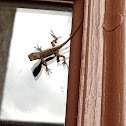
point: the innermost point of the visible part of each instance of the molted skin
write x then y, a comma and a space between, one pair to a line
54, 50
43, 54
34, 56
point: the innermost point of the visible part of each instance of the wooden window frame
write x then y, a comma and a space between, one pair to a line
96, 80
75, 60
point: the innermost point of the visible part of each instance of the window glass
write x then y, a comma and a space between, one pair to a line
41, 98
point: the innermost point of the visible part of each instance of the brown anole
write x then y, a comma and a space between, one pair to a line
41, 54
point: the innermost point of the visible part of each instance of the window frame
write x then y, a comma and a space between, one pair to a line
75, 59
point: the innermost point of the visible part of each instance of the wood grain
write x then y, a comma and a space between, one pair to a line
102, 78
74, 67
56, 1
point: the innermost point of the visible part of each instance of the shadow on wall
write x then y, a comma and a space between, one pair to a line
6, 29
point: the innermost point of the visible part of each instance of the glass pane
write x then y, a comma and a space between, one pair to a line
41, 98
